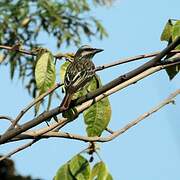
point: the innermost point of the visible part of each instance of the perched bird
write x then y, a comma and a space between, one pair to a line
78, 73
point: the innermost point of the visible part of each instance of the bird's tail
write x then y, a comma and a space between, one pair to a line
66, 101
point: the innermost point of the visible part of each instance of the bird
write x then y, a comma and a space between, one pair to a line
78, 73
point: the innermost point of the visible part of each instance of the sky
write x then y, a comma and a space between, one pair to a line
151, 149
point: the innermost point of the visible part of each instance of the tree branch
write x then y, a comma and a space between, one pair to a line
100, 93
114, 134
130, 74
79, 108
18, 149
42, 96
7, 118
131, 59
17, 49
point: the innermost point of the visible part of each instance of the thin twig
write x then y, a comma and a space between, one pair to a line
99, 68
28, 52
122, 78
18, 149
130, 59
19, 116
115, 134
80, 108
109, 130
7, 118
37, 136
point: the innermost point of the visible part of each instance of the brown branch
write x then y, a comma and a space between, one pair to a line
36, 136
42, 96
28, 52
18, 149
47, 115
130, 74
87, 104
109, 88
130, 59
7, 118
115, 134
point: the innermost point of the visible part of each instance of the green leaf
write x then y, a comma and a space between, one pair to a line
167, 32
63, 70
45, 73
100, 172
173, 71
98, 115
63, 173
79, 167
176, 32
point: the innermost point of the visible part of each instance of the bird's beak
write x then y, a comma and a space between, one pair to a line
97, 50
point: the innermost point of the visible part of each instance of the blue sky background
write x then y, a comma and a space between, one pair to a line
150, 150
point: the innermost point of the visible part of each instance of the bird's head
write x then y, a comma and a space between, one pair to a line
86, 52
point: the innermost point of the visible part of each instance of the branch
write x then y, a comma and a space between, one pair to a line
87, 104
114, 134
36, 136
32, 53
32, 104
130, 74
7, 118
112, 87
18, 149
130, 59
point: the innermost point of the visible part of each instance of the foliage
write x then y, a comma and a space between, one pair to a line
79, 168
98, 115
170, 33
26, 22
67, 22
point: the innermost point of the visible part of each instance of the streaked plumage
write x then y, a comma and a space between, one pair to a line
79, 72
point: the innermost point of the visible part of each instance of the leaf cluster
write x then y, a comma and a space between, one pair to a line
170, 33
79, 168
26, 22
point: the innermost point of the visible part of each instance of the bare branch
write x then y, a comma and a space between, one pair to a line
7, 118
156, 60
36, 136
18, 149
130, 59
32, 53
87, 104
109, 130
110, 88
115, 134
42, 96
80, 108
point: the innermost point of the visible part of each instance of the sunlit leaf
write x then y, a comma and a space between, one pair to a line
167, 32
63, 173
79, 167
63, 70
98, 115
65, 21
45, 73
100, 172
176, 32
